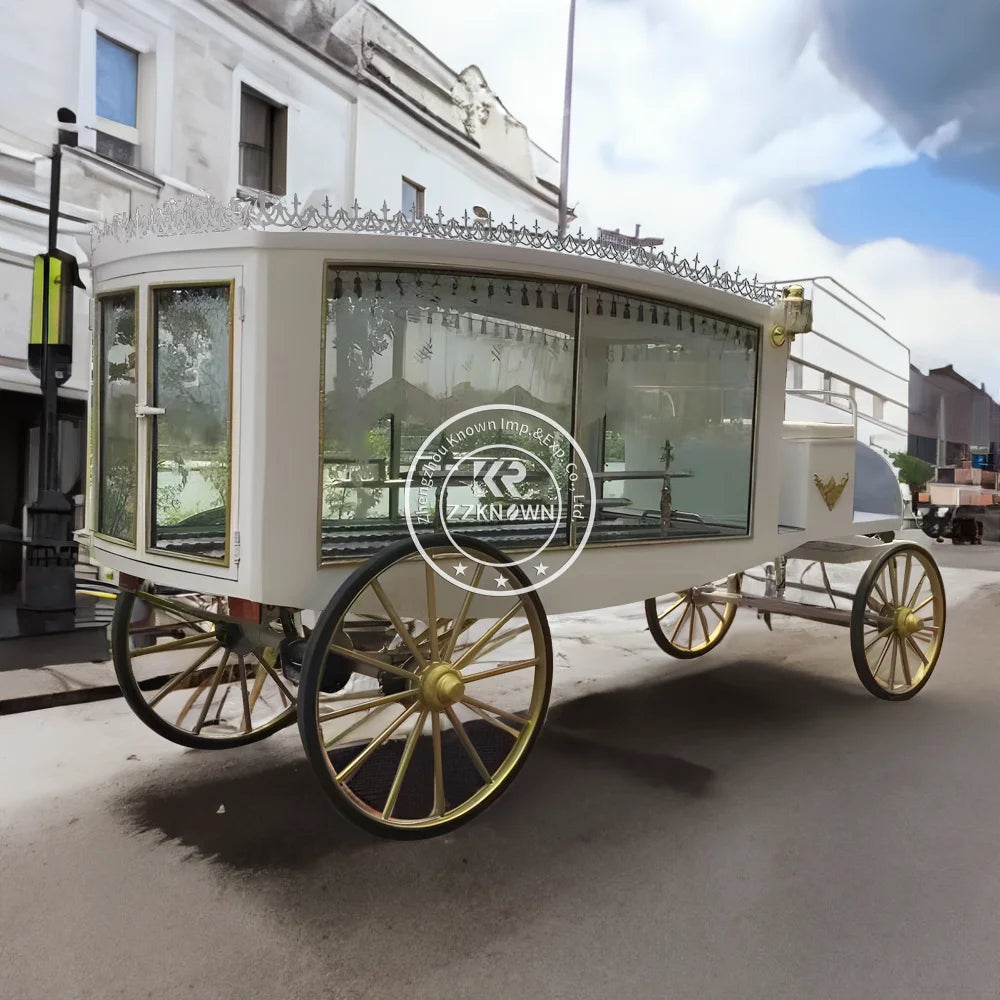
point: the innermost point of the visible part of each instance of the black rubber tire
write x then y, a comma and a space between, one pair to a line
312, 671
131, 692
858, 626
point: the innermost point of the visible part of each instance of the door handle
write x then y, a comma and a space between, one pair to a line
149, 411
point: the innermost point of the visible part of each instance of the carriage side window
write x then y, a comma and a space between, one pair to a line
190, 460
402, 353
116, 450
667, 412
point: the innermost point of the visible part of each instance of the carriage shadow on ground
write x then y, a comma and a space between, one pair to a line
675, 735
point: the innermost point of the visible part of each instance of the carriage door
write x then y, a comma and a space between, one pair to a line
189, 413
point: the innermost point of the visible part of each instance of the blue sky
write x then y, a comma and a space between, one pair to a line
916, 202
786, 137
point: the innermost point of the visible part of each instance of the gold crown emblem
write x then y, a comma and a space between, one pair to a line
831, 490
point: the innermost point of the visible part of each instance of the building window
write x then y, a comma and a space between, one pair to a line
263, 140
413, 199
117, 101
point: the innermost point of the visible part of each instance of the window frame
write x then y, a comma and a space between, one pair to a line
276, 150
108, 126
419, 201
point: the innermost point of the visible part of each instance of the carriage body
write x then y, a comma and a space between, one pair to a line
268, 386
268, 534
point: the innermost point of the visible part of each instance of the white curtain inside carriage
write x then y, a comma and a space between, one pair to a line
666, 395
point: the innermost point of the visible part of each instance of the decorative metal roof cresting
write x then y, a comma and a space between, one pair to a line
208, 215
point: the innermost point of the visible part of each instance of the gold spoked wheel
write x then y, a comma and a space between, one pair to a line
419, 700
195, 674
897, 622
691, 622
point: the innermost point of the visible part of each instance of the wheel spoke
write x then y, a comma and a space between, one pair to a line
502, 640
188, 611
459, 626
892, 666
881, 593
486, 707
906, 577
473, 651
893, 582
917, 589
260, 679
715, 611
881, 635
493, 722
404, 633
505, 669
439, 803
372, 661
352, 768
463, 737
916, 649
164, 647
404, 764
274, 676
923, 604
179, 679
429, 575
211, 694
704, 625
673, 607
690, 644
881, 659
245, 692
904, 663
357, 724
680, 622
366, 706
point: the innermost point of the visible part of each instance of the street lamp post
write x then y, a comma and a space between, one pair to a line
567, 100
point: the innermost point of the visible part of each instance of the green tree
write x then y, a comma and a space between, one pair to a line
914, 472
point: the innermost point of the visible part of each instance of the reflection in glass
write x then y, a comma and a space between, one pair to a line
116, 486
190, 463
402, 353
667, 406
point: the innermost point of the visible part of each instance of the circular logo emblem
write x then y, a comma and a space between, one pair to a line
509, 475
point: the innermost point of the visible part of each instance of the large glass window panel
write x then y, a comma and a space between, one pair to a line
402, 353
190, 461
117, 429
667, 401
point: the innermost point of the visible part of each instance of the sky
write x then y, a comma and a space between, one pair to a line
788, 137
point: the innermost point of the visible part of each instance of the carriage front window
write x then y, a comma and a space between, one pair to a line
666, 419
190, 461
116, 394
403, 352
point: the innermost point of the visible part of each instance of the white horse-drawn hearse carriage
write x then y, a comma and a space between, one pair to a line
277, 392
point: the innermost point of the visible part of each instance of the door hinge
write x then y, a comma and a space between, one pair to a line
236, 546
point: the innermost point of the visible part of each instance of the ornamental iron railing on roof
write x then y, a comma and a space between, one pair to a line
207, 215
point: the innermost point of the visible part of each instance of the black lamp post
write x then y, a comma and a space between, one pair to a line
48, 587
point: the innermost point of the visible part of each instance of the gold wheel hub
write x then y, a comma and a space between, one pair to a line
907, 623
441, 685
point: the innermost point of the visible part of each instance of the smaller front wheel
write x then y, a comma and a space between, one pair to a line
897, 622
691, 622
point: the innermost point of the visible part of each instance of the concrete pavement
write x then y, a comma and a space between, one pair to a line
751, 825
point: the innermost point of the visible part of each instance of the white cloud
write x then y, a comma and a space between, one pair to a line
707, 123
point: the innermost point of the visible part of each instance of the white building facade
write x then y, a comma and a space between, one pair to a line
178, 98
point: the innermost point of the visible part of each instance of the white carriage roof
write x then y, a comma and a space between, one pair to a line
190, 216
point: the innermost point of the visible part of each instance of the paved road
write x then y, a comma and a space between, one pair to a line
758, 828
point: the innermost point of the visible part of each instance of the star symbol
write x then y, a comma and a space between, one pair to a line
501, 581
541, 569
460, 569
